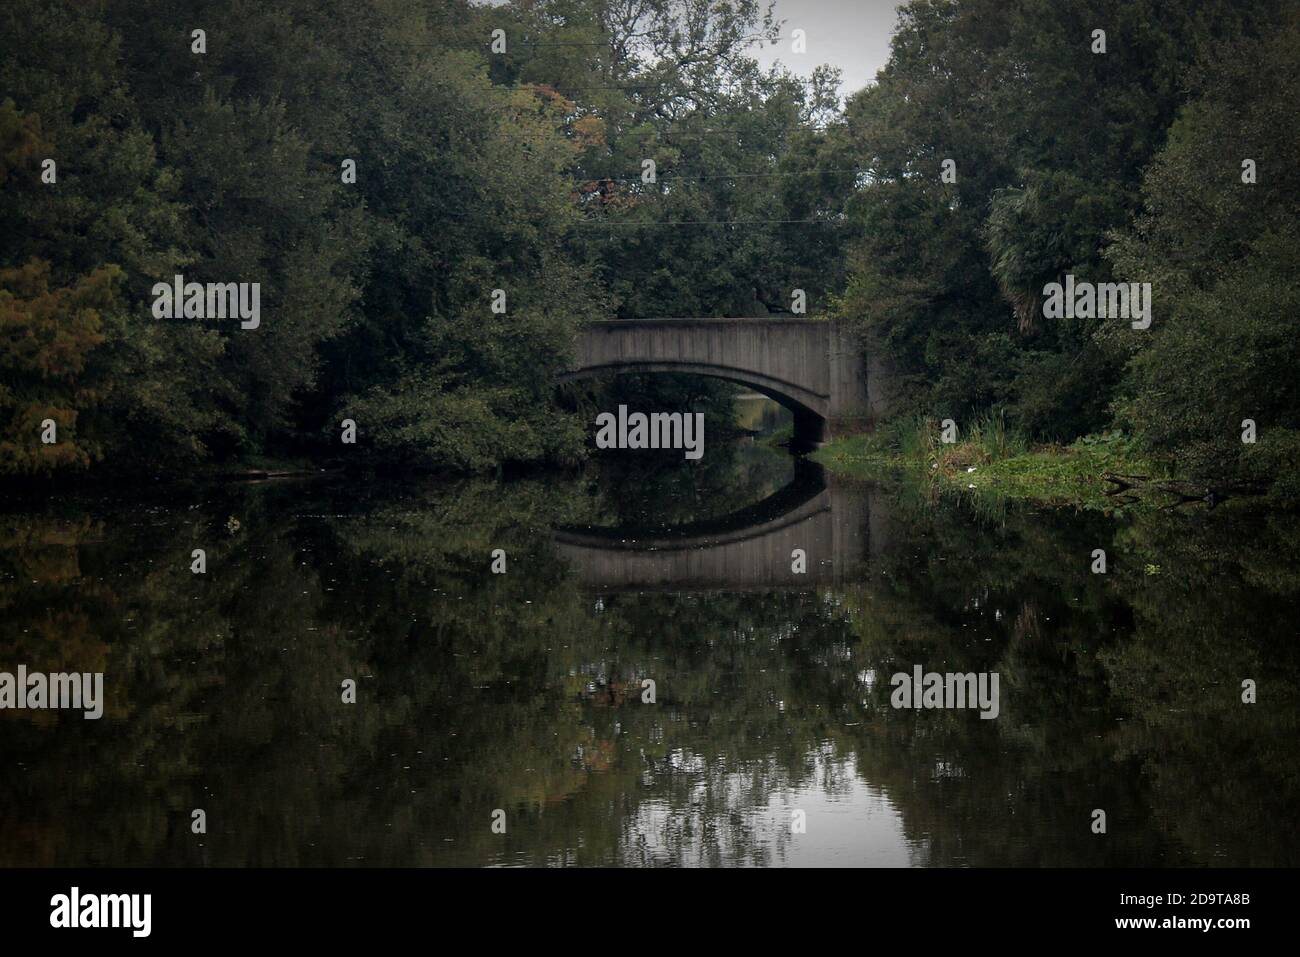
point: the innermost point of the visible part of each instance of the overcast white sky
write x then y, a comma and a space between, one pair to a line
850, 34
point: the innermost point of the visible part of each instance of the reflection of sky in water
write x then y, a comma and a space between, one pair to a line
849, 823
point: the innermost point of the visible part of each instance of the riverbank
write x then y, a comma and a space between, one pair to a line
1096, 472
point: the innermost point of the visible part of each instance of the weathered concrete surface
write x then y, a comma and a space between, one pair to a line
834, 528
811, 366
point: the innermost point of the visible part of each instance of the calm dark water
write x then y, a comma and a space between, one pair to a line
523, 691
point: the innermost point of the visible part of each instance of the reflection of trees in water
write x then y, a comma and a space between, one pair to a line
521, 691
1224, 774
656, 488
472, 686
1118, 691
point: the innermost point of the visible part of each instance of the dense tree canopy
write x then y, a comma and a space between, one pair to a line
1049, 140
1222, 255
383, 170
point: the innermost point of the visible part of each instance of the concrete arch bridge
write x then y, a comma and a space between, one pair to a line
811, 366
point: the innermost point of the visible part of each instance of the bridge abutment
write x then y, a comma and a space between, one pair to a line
810, 431
849, 407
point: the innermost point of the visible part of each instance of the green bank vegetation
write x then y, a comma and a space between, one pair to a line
1096, 471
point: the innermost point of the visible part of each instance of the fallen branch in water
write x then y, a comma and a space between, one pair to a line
1185, 490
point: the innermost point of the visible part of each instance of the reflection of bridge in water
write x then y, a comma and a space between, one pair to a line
751, 548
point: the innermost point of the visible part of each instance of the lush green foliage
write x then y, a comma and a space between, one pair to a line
994, 463
1059, 152
1222, 256
475, 171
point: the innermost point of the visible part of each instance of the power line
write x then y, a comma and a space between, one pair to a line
669, 133
665, 134
510, 41
700, 179
762, 115
553, 43
597, 224
585, 88
626, 87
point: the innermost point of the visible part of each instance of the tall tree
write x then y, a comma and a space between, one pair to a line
1217, 239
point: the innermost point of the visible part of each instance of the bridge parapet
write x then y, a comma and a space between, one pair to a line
812, 366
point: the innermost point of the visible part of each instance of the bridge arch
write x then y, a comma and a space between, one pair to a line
807, 407
804, 364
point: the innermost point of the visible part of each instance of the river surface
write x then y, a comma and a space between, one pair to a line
502, 718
